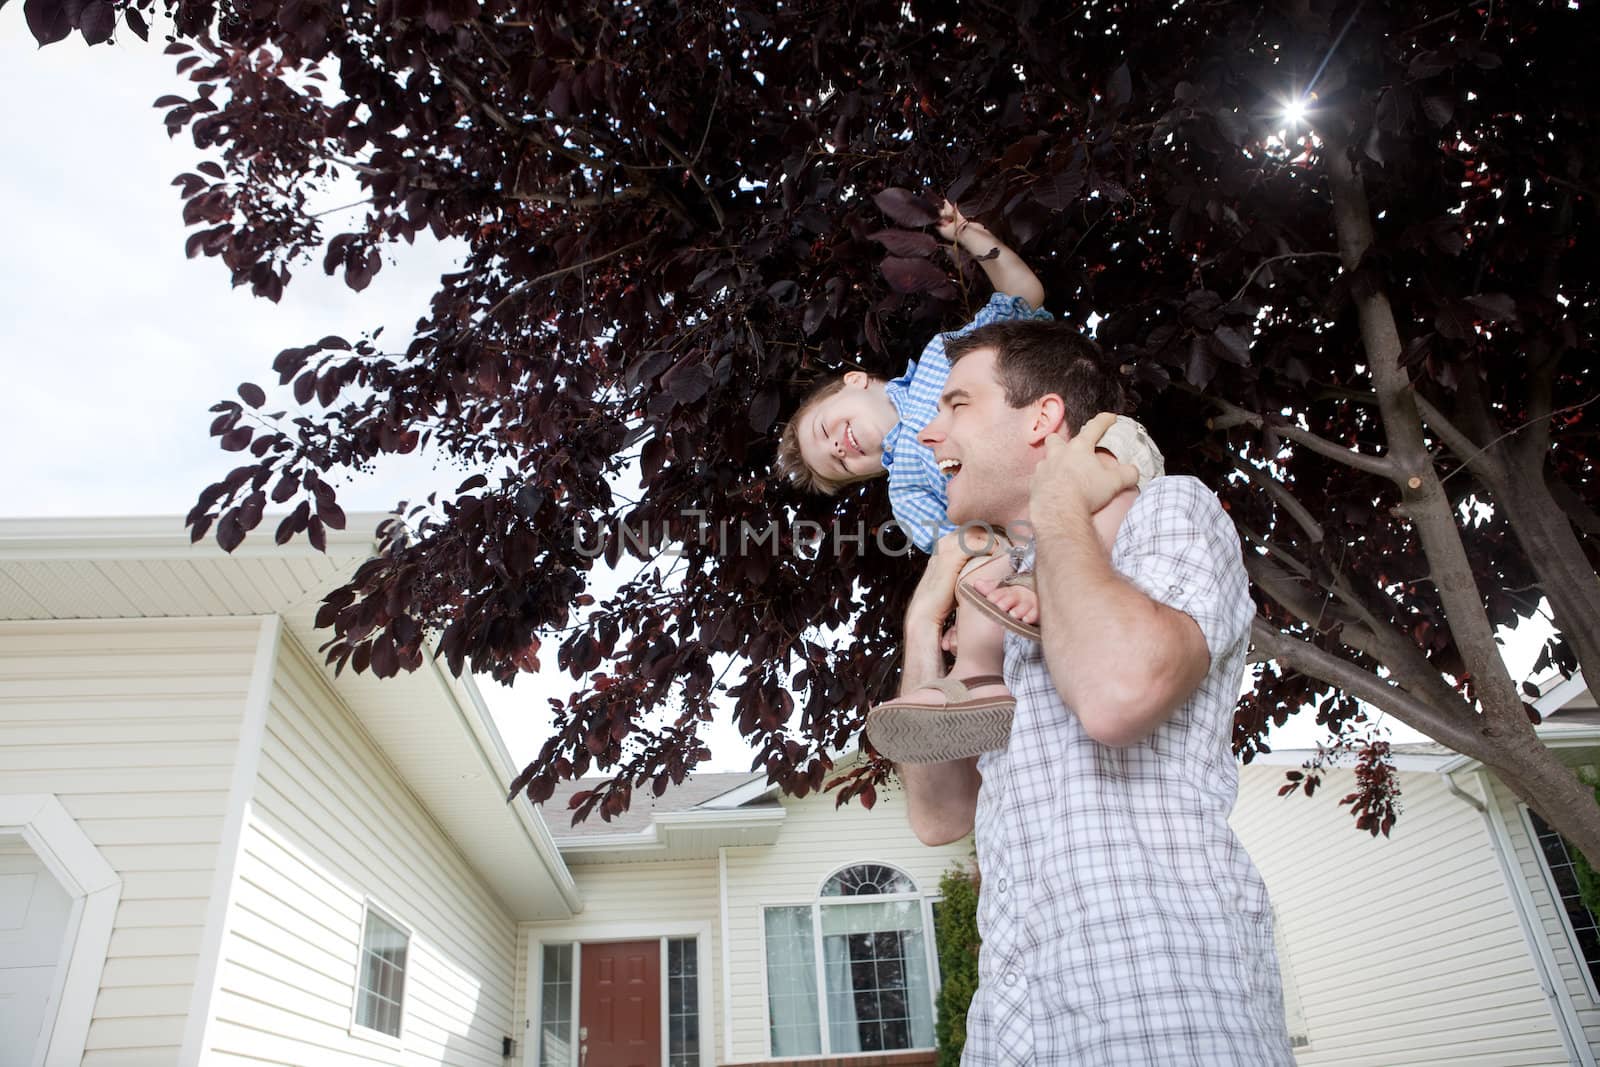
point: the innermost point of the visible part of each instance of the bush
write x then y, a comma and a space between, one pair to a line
957, 935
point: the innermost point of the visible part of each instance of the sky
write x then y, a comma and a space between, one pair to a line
113, 345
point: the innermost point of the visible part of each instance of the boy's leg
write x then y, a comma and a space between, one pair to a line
967, 713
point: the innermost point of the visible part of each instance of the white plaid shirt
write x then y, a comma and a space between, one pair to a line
1122, 921
916, 488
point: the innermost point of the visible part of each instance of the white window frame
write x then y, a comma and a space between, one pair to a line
929, 944
579, 934
44, 825
1578, 958
1294, 1010
358, 1029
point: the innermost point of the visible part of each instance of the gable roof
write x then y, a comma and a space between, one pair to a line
434, 728
645, 806
686, 822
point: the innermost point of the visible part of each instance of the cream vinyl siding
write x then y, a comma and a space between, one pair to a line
1551, 921
816, 840
134, 725
632, 897
331, 826
1406, 949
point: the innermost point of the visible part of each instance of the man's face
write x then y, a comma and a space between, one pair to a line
983, 445
841, 437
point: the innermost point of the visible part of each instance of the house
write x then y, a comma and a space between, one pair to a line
794, 930
213, 849
1458, 939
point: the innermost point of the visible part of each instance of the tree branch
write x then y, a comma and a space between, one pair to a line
1572, 504
1421, 493
1345, 676
1280, 493
1278, 259
1233, 415
1465, 448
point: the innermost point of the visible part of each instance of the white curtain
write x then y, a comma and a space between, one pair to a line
792, 982
843, 1034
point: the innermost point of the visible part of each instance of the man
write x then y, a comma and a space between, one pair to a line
1122, 922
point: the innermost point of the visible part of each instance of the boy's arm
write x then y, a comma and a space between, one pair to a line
1006, 271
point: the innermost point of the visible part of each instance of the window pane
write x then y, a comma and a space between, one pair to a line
867, 879
880, 997
792, 982
382, 975
1582, 922
555, 1000
683, 1004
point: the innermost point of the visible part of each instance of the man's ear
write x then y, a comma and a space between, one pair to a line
1049, 417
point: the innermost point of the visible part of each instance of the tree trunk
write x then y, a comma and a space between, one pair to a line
1500, 734
1565, 575
1550, 787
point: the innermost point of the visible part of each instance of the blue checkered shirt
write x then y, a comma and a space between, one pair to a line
916, 488
1123, 925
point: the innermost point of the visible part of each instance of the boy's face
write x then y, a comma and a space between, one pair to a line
841, 437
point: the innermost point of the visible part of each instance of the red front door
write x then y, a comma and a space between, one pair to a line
619, 1004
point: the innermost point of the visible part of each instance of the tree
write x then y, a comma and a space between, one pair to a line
957, 935
1371, 329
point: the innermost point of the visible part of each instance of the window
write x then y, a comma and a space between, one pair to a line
873, 989
683, 1003
1580, 921
1293, 1013
383, 974
555, 999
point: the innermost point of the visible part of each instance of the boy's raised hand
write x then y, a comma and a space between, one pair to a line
951, 221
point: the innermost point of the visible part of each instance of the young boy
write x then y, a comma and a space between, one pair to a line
855, 427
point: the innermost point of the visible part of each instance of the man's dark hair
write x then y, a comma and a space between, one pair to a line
1033, 357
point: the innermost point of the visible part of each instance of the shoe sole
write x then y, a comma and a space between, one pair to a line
934, 735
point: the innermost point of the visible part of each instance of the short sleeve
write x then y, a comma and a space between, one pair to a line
1002, 307
1179, 548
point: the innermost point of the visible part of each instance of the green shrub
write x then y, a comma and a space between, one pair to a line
1588, 880
956, 932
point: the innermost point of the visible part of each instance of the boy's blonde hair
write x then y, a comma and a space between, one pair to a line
791, 463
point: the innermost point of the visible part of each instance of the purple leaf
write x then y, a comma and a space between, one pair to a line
909, 243
764, 409
1496, 307
912, 275
252, 394
136, 23
97, 22
1120, 89
1062, 190
690, 384
905, 207
47, 20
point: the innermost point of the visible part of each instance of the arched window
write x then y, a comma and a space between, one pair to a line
874, 989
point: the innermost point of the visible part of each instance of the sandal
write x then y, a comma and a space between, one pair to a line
965, 590
932, 733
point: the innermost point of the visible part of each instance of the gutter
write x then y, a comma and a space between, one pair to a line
1545, 968
655, 837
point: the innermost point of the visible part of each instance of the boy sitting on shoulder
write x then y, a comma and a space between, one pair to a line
855, 426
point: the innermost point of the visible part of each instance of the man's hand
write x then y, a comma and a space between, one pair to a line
935, 596
1073, 481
